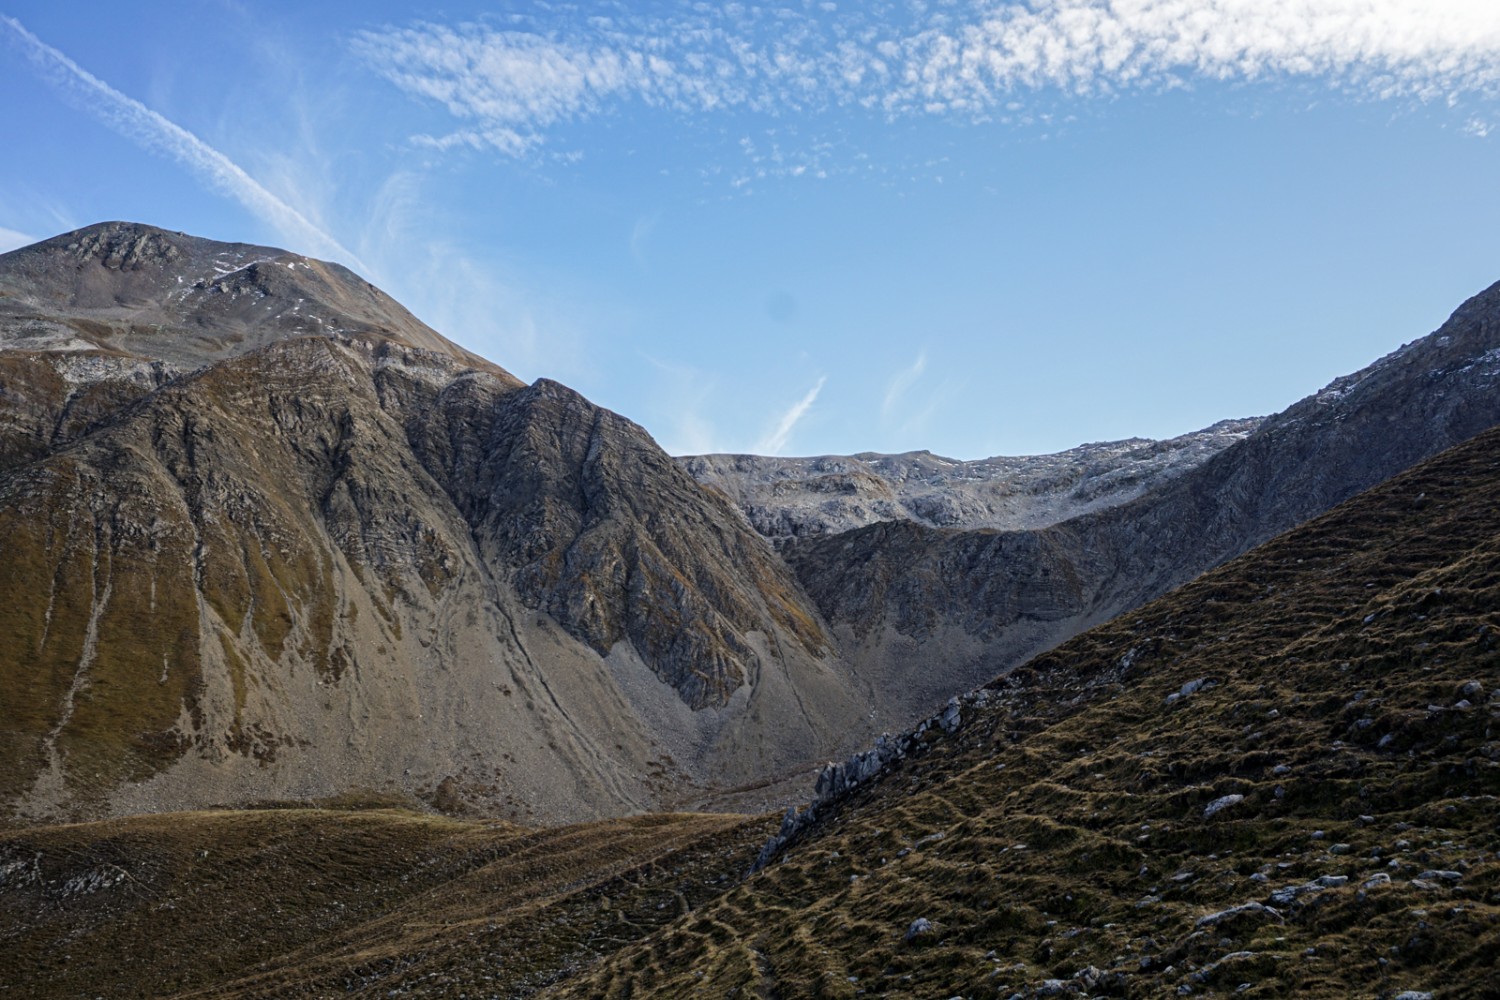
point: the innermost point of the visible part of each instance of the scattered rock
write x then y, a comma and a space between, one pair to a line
1189, 689
1234, 912
952, 717
919, 927
1089, 977
1203, 974
1287, 895
1221, 803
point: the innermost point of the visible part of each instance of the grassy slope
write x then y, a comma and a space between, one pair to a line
1064, 826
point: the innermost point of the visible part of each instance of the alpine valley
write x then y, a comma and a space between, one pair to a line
335, 659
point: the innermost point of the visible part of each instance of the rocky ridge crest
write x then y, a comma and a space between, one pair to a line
792, 498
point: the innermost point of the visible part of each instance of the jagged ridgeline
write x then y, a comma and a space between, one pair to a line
268, 536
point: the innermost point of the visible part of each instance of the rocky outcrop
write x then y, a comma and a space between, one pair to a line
838, 781
613, 541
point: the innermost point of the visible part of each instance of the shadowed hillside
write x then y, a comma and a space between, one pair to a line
968, 604
1278, 780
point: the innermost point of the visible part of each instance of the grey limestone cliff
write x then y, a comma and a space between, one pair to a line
791, 498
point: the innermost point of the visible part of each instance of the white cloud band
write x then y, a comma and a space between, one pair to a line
509, 86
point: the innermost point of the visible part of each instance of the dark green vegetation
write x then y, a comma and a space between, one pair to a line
1338, 681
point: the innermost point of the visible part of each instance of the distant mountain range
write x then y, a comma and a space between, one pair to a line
791, 498
268, 536
966, 604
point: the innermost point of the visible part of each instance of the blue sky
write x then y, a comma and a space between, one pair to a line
813, 227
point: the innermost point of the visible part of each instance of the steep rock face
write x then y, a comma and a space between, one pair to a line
614, 541
976, 602
190, 579
345, 560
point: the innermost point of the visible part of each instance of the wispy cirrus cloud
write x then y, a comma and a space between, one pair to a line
681, 394
148, 128
508, 87
900, 383
774, 442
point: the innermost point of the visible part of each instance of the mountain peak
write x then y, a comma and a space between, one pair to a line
126, 288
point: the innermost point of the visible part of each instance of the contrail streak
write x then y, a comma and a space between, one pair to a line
151, 130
